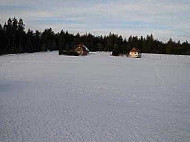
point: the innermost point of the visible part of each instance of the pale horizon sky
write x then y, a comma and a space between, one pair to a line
164, 19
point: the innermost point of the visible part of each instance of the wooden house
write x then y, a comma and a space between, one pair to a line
77, 50
135, 53
81, 49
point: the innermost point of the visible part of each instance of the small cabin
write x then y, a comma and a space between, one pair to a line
81, 49
135, 53
78, 50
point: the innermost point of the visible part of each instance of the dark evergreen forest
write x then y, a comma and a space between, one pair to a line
15, 39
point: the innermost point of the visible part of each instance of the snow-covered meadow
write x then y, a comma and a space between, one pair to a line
45, 97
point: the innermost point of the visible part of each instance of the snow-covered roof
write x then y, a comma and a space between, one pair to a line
85, 47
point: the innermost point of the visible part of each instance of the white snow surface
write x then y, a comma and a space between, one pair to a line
45, 97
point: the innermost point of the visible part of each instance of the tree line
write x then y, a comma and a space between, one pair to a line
14, 39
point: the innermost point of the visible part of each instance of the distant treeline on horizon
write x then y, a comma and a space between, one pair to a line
14, 39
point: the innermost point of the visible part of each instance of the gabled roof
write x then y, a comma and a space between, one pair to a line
83, 46
134, 50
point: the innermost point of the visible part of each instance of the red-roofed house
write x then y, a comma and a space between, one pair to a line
135, 53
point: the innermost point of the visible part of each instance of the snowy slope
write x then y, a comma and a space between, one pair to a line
97, 98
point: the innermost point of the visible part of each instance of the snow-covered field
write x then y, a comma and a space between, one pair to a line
45, 97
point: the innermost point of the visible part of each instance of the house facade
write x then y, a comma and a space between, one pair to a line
135, 53
81, 49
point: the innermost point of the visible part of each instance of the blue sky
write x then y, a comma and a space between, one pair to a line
162, 18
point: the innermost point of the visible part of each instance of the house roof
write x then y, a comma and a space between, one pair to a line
83, 46
134, 50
